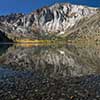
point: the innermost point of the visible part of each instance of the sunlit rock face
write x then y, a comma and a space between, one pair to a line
64, 61
55, 19
86, 29
59, 17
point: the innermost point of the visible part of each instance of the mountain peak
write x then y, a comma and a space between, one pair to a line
53, 20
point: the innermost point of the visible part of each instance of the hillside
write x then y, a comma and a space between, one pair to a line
47, 22
85, 29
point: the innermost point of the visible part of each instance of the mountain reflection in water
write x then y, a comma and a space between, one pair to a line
53, 60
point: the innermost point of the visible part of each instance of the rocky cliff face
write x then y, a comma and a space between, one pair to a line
54, 20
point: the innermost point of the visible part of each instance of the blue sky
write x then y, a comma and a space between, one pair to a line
26, 6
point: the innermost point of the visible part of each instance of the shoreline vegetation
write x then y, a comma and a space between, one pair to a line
33, 41
30, 42
40, 42
80, 43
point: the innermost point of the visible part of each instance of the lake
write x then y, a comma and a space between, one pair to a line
49, 72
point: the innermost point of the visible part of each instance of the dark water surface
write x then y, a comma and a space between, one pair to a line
49, 72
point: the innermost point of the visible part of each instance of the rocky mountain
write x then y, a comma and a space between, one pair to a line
85, 29
55, 20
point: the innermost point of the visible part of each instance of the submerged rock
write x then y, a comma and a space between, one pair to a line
23, 85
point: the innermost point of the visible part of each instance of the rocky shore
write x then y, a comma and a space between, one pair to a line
21, 85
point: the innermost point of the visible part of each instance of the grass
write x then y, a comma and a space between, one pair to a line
33, 41
30, 43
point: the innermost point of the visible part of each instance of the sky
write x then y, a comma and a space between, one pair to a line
26, 6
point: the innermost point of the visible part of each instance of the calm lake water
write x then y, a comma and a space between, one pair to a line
61, 60
33, 69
